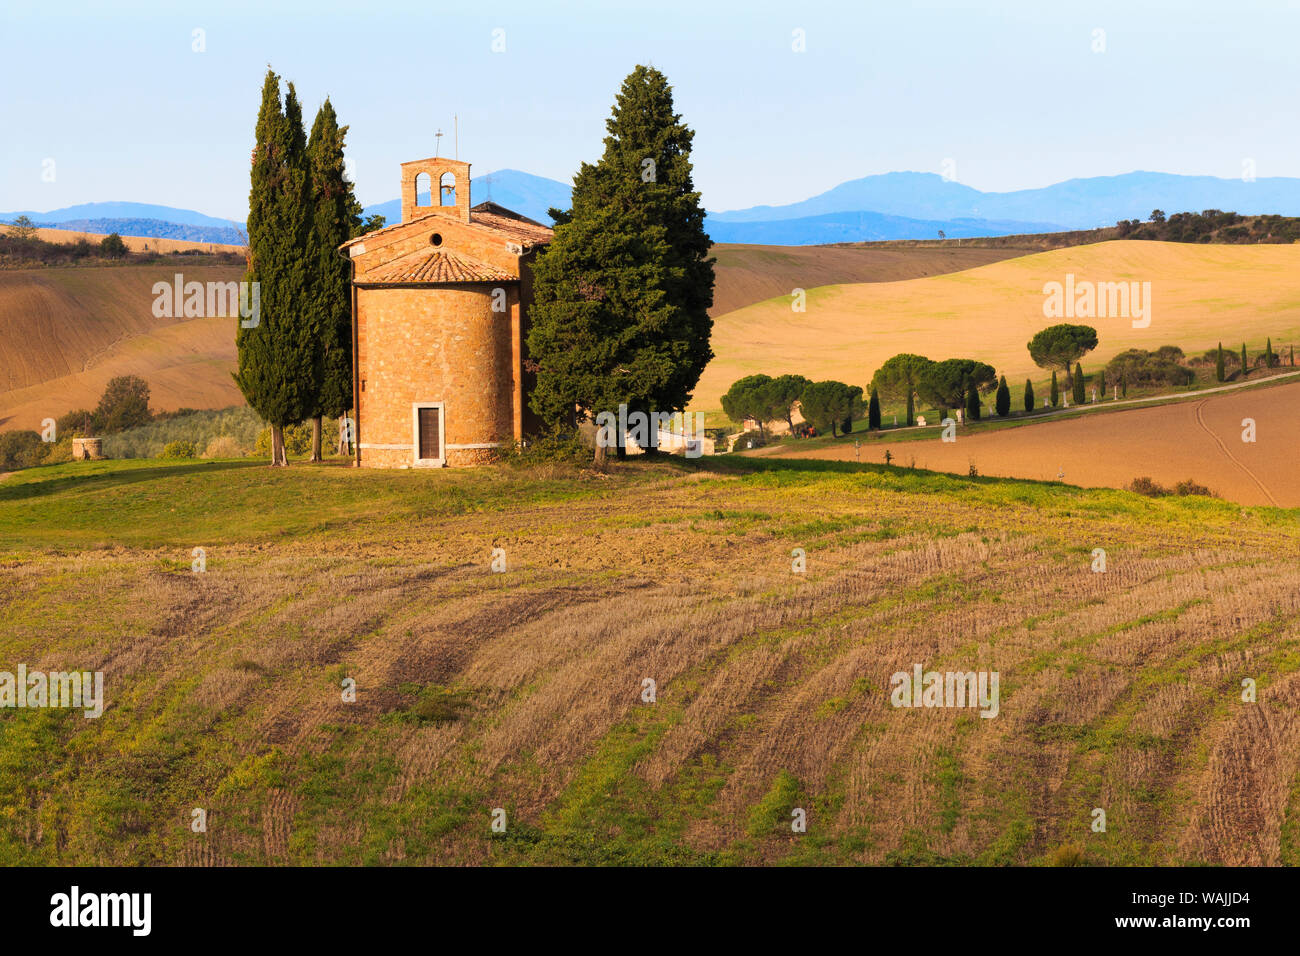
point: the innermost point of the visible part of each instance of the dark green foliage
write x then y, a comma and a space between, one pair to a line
1056, 391
746, 399
900, 377
1245, 361
1150, 368
826, 405
972, 404
82, 423
1270, 360
776, 399
1219, 372
947, 384
113, 247
336, 218
278, 356
124, 404
1059, 346
1029, 395
20, 449
623, 291
1078, 384
873, 411
1101, 385
1002, 402
1213, 225
1153, 489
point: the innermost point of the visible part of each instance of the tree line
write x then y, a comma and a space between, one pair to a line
295, 361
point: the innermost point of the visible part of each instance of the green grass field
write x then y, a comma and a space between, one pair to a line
524, 690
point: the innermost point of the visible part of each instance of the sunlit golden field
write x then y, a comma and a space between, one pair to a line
523, 690
1201, 295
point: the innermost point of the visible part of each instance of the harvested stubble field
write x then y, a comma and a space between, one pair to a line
523, 690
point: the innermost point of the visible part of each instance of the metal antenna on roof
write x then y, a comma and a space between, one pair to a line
437, 143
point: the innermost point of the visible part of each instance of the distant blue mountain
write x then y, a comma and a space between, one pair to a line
1074, 204
124, 210
862, 227
888, 206
519, 192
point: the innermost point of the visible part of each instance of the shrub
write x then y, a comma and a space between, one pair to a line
1189, 487
749, 439
555, 446
20, 449
113, 246
179, 449
1071, 854
59, 452
1141, 367
297, 440
147, 441
1148, 487
224, 446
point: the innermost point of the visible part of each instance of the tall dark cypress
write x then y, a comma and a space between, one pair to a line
623, 292
336, 218
277, 371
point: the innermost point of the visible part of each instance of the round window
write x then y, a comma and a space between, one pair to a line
435, 239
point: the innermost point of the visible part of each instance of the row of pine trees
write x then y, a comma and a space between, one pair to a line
295, 363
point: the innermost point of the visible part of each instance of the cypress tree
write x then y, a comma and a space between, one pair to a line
622, 294
1003, 401
972, 403
1293, 356
336, 218
1268, 353
1078, 384
1123, 385
1056, 391
1101, 384
911, 410
277, 356
1029, 396
1218, 365
873, 411
1244, 367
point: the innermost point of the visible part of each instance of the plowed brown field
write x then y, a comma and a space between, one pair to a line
1197, 438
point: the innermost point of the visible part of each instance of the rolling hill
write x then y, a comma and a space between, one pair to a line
67, 331
525, 690
1201, 294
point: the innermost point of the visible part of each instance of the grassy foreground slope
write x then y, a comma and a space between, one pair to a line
1201, 294
523, 690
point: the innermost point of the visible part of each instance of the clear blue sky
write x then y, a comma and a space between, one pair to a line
1011, 91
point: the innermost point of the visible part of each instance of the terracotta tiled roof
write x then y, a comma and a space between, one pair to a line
434, 265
